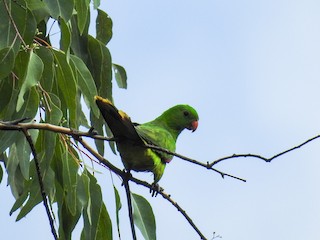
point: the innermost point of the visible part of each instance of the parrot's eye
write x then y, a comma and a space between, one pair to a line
185, 113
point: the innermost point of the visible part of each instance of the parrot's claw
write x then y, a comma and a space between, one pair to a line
155, 189
127, 176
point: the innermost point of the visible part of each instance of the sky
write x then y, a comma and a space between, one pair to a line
251, 70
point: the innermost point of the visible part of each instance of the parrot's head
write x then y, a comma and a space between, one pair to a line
181, 117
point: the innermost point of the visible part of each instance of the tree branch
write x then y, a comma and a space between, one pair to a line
261, 157
205, 165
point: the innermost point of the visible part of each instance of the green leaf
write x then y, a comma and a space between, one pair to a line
97, 223
70, 169
6, 61
67, 85
23, 153
143, 217
60, 8
15, 178
21, 22
103, 27
98, 126
1, 174
19, 202
83, 189
65, 41
118, 207
120, 75
33, 200
86, 84
67, 220
99, 64
47, 77
82, 7
39, 9
96, 4
79, 41
6, 89
33, 75
30, 105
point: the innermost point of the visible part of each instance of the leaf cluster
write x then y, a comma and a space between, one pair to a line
51, 84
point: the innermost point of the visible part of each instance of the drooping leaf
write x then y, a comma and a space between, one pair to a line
47, 77
97, 223
118, 207
143, 217
33, 200
67, 85
39, 9
103, 27
23, 153
120, 75
96, 4
70, 169
67, 220
1, 174
65, 40
6, 61
33, 75
79, 41
14, 180
30, 105
100, 66
60, 8
6, 89
86, 84
82, 7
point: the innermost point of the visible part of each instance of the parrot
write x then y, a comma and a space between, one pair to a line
131, 138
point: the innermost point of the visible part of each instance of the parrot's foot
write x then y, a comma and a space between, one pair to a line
155, 189
126, 176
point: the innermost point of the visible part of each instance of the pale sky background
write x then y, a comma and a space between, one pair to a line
252, 71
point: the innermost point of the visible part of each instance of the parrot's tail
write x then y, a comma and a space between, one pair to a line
118, 121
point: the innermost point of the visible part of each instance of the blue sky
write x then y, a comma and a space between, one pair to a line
251, 69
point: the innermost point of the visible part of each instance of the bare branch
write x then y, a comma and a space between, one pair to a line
205, 165
261, 157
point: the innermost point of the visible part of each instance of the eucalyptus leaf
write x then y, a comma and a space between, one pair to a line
120, 75
143, 217
33, 75
6, 61
103, 27
60, 8
82, 7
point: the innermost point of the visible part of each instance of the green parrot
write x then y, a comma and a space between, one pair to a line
162, 132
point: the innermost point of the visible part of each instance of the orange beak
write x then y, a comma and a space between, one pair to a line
193, 126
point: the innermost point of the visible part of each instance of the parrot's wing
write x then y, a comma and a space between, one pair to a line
157, 136
119, 122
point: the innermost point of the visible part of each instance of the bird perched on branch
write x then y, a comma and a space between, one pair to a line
131, 139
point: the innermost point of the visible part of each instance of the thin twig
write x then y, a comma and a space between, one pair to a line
52, 128
183, 212
13, 23
206, 165
264, 158
43, 194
